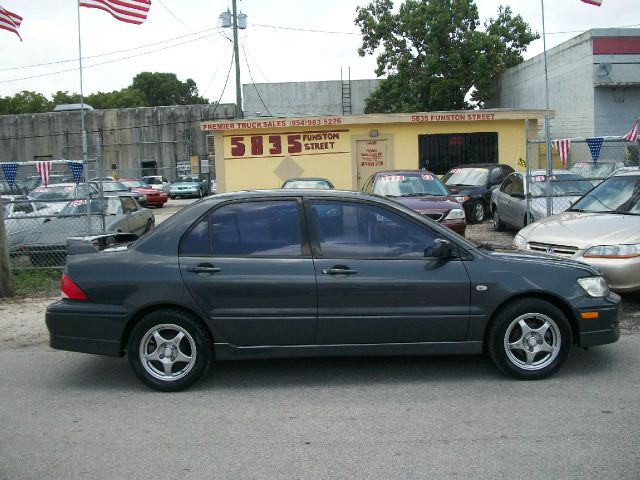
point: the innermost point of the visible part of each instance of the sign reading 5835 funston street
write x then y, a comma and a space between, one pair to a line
289, 143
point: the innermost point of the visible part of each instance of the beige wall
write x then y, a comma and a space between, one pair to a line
338, 162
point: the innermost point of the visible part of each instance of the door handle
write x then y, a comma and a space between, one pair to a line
339, 271
204, 268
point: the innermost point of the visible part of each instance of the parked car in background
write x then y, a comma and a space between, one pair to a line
22, 214
47, 244
203, 180
153, 197
421, 191
185, 186
472, 184
595, 172
15, 189
602, 229
509, 201
58, 195
307, 182
35, 181
115, 187
255, 275
159, 182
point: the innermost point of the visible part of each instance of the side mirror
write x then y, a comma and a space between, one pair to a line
441, 249
518, 195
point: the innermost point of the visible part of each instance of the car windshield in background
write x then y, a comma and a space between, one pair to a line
307, 184
561, 185
110, 206
614, 195
409, 185
466, 177
594, 170
134, 184
59, 192
114, 187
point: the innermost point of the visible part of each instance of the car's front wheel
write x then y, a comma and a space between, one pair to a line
498, 226
529, 339
479, 211
169, 350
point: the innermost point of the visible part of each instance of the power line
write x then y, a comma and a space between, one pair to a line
253, 82
309, 30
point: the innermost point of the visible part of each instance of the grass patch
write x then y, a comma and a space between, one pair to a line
36, 283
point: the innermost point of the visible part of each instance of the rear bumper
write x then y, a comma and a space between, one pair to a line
87, 328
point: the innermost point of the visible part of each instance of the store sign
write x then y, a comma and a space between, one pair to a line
372, 153
290, 143
280, 123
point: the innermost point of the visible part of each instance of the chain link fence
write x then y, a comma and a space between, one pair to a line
572, 176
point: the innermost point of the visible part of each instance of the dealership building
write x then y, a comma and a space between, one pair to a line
264, 152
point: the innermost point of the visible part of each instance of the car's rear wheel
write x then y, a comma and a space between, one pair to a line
169, 350
529, 339
149, 226
479, 211
497, 223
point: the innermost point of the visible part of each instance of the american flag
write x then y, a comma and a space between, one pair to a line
563, 146
10, 21
130, 11
632, 136
595, 144
44, 167
76, 169
10, 170
597, 3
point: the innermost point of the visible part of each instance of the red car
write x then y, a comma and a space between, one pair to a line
155, 198
422, 191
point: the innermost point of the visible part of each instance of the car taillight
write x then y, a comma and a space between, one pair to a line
70, 290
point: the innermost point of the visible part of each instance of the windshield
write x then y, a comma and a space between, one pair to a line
135, 184
466, 176
614, 195
114, 187
110, 206
593, 170
56, 192
323, 184
561, 185
409, 185
185, 180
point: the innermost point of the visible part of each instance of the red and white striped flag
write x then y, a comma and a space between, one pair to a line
130, 11
562, 146
10, 21
597, 3
632, 136
44, 168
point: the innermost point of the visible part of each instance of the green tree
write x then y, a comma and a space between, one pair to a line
24, 102
125, 98
434, 54
61, 98
165, 89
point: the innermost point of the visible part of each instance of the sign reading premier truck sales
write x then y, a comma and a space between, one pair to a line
287, 143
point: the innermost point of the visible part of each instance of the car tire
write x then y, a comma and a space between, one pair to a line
162, 360
497, 223
478, 212
172, 197
149, 226
529, 339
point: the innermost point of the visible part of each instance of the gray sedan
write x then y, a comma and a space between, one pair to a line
267, 274
509, 201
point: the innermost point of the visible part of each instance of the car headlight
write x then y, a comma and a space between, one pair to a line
455, 214
461, 198
519, 242
594, 286
613, 251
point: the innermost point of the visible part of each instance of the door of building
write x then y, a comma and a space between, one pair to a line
442, 152
371, 157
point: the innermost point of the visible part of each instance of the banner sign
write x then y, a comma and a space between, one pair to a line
10, 170
289, 143
76, 170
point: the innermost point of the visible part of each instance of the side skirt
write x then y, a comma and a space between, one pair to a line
226, 351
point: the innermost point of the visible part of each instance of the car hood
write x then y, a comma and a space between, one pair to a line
145, 191
584, 229
57, 231
428, 203
508, 253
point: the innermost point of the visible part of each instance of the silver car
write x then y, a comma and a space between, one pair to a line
22, 214
509, 201
602, 229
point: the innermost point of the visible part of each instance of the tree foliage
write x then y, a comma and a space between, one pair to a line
434, 53
147, 90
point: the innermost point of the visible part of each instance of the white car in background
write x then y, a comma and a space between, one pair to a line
22, 214
602, 229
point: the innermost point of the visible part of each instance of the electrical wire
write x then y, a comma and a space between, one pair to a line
253, 82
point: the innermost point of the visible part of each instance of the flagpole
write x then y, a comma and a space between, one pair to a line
84, 133
546, 115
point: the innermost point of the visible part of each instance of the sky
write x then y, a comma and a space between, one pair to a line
285, 41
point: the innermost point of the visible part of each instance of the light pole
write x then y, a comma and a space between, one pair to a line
546, 117
237, 21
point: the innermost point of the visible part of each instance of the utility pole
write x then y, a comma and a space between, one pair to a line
237, 21
6, 285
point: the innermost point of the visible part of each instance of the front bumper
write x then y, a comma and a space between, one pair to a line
603, 329
86, 327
